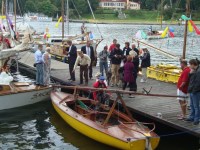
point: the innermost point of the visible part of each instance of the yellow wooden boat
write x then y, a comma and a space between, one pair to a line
108, 126
165, 73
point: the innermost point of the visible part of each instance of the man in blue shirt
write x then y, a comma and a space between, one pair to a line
39, 65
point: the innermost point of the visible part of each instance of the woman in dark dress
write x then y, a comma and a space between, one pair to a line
128, 74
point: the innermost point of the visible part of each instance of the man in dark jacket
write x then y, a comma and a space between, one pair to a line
194, 90
72, 55
89, 50
116, 57
146, 62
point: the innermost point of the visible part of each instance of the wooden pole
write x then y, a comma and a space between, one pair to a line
67, 17
186, 29
161, 13
63, 20
2, 8
15, 11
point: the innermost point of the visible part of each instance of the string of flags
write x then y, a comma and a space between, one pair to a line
169, 31
59, 20
191, 25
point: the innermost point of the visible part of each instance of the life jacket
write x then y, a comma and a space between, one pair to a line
98, 85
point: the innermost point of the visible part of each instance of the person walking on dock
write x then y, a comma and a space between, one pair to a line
116, 57
146, 62
39, 66
128, 74
194, 90
182, 88
47, 66
72, 55
126, 49
84, 61
103, 57
89, 50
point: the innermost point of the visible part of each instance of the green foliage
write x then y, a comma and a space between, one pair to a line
30, 6
47, 8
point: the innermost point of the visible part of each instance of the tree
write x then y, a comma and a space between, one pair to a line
30, 6
47, 8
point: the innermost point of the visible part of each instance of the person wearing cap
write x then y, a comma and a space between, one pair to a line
103, 57
39, 66
72, 55
99, 95
84, 61
146, 62
98, 75
46, 57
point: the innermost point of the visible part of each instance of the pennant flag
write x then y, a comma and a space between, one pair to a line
171, 29
195, 27
165, 32
190, 27
144, 36
140, 35
59, 20
184, 17
171, 34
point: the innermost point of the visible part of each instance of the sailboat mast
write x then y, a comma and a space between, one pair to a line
161, 13
63, 19
15, 12
186, 29
2, 8
67, 17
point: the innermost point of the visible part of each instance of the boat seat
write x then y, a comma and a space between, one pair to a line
83, 111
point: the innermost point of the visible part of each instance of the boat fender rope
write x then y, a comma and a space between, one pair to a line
148, 143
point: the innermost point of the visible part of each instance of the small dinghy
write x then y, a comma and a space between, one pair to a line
107, 124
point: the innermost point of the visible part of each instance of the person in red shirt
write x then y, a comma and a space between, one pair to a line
182, 88
99, 84
113, 45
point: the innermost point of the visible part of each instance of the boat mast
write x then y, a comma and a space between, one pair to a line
161, 13
2, 8
186, 28
67, 17
63, 19
15, 12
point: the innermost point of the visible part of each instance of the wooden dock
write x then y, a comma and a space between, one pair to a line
144, 105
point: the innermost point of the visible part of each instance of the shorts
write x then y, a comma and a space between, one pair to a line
180, 93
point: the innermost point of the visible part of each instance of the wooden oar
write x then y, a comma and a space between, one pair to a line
114, 91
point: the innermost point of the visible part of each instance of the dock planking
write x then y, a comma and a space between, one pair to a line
144, 105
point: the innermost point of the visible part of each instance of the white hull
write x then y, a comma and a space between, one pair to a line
25, 98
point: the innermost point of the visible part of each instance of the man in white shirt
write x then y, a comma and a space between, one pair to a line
39, 66
84, 61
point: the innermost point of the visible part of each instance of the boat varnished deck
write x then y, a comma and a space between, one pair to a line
144, 105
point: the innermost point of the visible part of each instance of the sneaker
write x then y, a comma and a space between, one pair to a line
196, 123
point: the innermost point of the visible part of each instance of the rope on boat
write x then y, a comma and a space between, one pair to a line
94, 18
76, 9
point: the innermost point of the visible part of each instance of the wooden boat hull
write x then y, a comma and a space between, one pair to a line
74, 120
19, 99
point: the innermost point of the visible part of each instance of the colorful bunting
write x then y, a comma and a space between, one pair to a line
195, 27
185, 17
163, 35
190, 27
171, 34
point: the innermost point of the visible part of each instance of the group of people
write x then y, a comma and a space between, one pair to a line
189, 82
124, 64
43, 66
84, 58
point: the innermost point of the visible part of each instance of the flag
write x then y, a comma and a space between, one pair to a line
140, 35
165, 32
195, 27
185, 17
91, 36
171, 34
190, 28
59, 20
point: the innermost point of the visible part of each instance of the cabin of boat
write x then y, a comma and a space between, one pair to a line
104, 123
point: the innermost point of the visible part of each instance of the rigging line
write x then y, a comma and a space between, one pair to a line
94, 18
76, 8
19, 8
177, 4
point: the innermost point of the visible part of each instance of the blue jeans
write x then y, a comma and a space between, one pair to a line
39, 74
103, 65
194, 104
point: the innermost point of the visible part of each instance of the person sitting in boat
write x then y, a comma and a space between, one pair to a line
150, 30
100, 95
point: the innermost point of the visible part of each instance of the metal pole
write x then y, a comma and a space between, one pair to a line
63, 20
15, 11
186, 29
67, 14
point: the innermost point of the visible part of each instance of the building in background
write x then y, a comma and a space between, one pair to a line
119, 4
